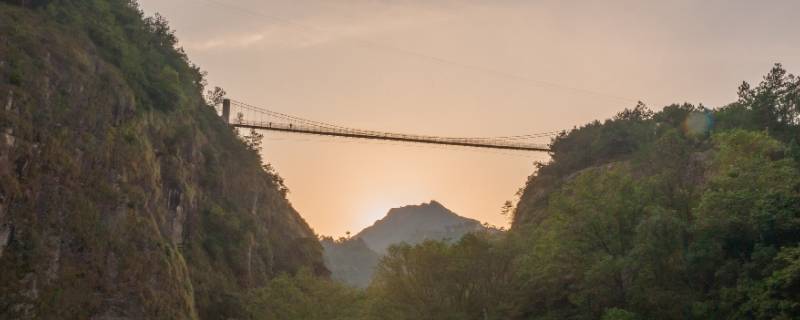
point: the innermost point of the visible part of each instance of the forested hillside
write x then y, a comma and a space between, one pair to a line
122, 194
685, 213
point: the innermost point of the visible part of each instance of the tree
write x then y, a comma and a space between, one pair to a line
773, 105
253, 140
471, 279
215, 97
159, 27
639, 113
753, 181
750, 211
794, 150
303, 296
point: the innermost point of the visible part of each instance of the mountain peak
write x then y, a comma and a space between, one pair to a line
416, 223
434, 203
433, 207
353, 261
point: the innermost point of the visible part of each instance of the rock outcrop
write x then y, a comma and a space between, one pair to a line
122, 194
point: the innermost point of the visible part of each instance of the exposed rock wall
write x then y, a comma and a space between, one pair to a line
110, 209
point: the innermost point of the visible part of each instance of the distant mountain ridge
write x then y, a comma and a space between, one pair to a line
352, 261
416, 223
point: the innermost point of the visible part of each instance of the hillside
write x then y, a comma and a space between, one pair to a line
353, 261
350, 261
416, 223
684, 213
122, 194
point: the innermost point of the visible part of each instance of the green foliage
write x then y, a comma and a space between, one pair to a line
142, 48
773, 105
470, 279
253, 141
303, 296
752, 196
619, 314
794, 150
687, 213
215, 97
124, 195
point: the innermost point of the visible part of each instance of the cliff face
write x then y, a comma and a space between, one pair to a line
122, 194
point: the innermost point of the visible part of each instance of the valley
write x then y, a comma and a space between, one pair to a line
131, 188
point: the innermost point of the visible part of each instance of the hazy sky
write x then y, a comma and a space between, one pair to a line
462, 68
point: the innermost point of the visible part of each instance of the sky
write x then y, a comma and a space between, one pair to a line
462, 68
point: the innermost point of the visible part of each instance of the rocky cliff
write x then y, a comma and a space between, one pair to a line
122, 194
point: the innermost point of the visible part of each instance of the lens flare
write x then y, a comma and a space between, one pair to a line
698, 123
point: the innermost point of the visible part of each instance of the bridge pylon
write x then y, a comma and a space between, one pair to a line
226, 110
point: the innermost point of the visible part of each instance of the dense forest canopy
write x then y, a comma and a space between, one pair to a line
687, 212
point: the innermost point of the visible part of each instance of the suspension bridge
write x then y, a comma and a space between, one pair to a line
253, 117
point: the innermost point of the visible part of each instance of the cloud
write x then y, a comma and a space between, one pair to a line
323, 24
236, 42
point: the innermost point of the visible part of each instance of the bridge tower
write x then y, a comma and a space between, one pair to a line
226, 110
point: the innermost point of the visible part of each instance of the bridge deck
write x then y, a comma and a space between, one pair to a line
376, 135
